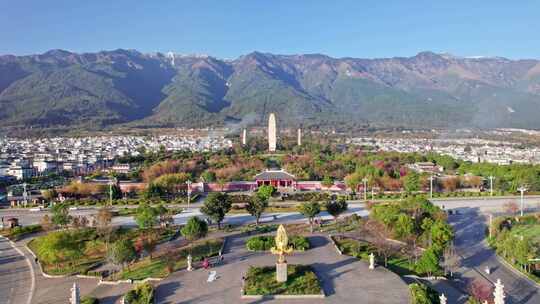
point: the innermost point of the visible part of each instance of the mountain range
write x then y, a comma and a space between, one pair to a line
130, 88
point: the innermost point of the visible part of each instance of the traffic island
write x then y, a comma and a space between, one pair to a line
261, 283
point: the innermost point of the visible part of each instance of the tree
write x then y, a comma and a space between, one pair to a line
103, 223
450, 184
216, 205
441, 234
194, 229
146, 216
450, 260
380, 239
404, 226
411, 182
148, 241
49, 194
208, 176
511, 207
153, 191
60, 214
310, 210
336, 208
352, 181
115, 192
256, 206
480, 291
165, 217
46, 223
266, 191
327, 181
428, 263
121, 252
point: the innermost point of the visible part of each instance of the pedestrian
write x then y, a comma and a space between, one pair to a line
36, 260
206, 264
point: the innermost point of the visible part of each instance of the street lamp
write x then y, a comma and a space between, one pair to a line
111, 182
522, 189
188, 183
491, 178
431, 178
365, 180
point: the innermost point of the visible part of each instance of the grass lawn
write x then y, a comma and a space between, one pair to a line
78, 251
398, 264
529, 231
67, 252
262, 281
162, 266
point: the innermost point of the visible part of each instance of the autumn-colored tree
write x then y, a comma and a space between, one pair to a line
511, 207
481, 290
450, 184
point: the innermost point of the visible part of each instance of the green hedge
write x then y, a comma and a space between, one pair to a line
18, 232
422, 294
142, 294
262, 281
264, 243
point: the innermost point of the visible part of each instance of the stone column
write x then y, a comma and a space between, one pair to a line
281, 272
189, 261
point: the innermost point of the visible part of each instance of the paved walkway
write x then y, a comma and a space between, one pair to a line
15, 275
344, 279
57, 290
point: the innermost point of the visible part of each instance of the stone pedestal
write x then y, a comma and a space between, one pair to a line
281, 272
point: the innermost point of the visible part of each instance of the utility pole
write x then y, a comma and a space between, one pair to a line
522, 189
365, 181
110, 193
25, 194
113, 181
491, 178
188, 183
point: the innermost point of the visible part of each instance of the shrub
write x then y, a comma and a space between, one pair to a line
20, 231
264, 243
142, 294
89, 300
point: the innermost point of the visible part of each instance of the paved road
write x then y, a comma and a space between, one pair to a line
15, 275
344, 279
470, 226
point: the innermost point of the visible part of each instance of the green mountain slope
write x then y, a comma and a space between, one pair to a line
94, 90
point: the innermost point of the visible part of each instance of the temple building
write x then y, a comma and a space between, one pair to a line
277, 178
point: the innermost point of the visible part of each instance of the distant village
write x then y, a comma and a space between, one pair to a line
467, 149
22, 159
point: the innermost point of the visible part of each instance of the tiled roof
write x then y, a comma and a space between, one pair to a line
274, 175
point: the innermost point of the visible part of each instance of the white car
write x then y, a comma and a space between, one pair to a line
73, 208
36, 209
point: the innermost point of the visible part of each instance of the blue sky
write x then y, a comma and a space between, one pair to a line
229, 28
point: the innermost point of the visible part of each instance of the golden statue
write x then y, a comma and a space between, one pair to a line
282, 242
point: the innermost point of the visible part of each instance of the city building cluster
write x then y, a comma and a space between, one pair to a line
26, 158
468, 149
